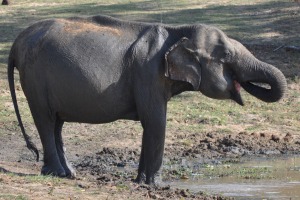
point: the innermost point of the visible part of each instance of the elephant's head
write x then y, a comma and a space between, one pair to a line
219, 66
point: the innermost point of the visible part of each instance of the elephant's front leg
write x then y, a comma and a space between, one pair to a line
154, 124
141, 177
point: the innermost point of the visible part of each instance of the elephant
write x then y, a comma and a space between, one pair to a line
99, 69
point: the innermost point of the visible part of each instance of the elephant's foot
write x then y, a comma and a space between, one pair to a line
153, 181
53, 171
141, 178
70, 171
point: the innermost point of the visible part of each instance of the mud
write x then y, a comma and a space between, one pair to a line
115, 167
118, 166
218, 145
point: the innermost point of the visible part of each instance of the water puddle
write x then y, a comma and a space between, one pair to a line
251, 179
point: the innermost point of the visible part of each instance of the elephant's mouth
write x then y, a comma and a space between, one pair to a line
235, 93
254, 88
258, 86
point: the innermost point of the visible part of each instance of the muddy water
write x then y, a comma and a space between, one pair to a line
270, 179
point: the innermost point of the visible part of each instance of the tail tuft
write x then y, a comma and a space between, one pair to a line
31, 146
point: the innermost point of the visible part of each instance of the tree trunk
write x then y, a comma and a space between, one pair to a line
5, 2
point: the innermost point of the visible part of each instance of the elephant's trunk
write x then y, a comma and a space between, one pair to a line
251, 72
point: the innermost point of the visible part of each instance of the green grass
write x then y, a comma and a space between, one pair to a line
239, 172
43, 179
217, 171
193, 112
12, 197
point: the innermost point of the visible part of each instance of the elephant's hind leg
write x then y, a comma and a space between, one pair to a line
45, 126
52, 164
70, 172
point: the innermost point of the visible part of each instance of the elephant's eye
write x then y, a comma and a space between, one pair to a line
226, 56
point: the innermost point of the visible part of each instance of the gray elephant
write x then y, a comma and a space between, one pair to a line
101, 69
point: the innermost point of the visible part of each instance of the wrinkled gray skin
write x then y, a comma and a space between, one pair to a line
100, 69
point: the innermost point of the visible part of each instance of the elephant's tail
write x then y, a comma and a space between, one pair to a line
10, 72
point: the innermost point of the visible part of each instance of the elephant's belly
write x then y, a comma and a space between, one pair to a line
88, 109
97, 116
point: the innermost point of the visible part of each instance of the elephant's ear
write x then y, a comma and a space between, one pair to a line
182, 63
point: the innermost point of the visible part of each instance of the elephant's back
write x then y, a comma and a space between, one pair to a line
77, 38
79, 47
83, 38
